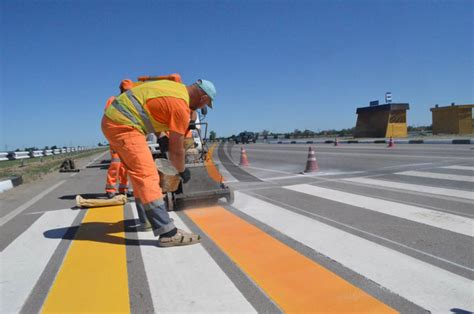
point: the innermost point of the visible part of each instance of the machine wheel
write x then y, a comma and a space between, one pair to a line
230, 198
169, 201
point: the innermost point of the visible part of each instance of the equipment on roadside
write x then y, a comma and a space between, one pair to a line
206, 185
68, 165
116, 200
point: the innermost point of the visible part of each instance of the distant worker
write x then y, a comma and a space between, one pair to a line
154, 107
117, 168
117, 181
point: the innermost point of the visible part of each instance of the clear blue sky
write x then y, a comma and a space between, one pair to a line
277, 65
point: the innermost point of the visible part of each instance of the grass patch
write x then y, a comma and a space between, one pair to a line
34, 168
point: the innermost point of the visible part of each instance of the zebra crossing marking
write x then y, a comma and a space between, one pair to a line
413, 187
431, 287
280, 271
453, 223
434, 175
93, 276
187, 279
24, 260
459, 167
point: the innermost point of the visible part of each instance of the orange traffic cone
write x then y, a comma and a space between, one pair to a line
244, 162
311, 164
336, 142
390, 142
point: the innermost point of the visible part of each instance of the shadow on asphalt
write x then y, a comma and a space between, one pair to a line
101, 167
87, 195
99, 232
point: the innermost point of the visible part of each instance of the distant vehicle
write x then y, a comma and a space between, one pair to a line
245, 138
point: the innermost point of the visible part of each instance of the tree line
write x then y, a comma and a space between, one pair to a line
297, 133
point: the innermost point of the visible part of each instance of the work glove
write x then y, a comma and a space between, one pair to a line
164, 142
185, 175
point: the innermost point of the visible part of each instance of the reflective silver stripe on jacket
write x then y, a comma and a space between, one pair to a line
146, 120
126, 113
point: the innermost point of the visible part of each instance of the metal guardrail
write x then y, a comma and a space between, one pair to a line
40, 153
372, 141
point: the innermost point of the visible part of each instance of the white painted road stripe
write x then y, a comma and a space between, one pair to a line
459, 167
434, 175
17, 211
414, 187
375, 154
425, 216
24, 259
187, 279
426, 285
21, 208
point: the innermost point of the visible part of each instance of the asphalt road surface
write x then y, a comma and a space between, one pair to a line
376, 229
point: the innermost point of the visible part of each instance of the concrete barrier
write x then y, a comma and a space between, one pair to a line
9, 183
36, 153
19, 155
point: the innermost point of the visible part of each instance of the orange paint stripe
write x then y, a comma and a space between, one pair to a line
211, 167
291, 280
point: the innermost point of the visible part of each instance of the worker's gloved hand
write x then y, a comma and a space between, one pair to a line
185, 175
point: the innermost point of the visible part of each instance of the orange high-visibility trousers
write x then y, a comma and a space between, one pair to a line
133, 150
116, 171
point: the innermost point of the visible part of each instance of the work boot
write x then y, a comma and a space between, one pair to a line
180, 238
127, 193
110, 194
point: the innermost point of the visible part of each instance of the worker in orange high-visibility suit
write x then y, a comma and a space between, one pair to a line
116, 171
154, 107
116, 168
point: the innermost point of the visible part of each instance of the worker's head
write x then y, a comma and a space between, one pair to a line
201, 93
125, 85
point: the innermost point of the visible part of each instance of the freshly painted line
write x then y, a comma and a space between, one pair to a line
413, 187
93, 276
21, 208
453, 223
269, 170
211, 167
459, 167
186, 279
294, 282
23, 261
426, 285
434, 175
315, 174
